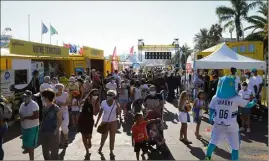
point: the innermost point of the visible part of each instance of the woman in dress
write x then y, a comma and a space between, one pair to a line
86, 121
61, 99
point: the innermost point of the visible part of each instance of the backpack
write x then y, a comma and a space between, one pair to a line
7, 111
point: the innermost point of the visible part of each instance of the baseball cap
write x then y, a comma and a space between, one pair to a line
254, 70
27, 93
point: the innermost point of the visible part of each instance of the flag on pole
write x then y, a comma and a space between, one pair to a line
44, 29
132, 51
53, 31
114, 53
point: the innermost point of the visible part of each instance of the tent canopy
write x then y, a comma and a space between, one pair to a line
225, 58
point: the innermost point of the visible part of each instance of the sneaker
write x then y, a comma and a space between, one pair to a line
242, 129
207, 158
248, 129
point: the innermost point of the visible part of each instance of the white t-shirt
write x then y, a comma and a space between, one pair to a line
111, 86
62, 99
75, 105
237, 81
245, 94
226, 111
255, 80
44, 86
106, 111
26, 111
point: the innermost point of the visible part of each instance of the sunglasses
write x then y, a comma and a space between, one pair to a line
94, 94
110, 95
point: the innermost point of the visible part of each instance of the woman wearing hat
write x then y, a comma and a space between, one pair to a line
109, 110
71, 86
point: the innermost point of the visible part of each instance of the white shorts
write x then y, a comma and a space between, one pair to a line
220, 133
182, 117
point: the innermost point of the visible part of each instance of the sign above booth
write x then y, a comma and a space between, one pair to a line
93, 53
21, 47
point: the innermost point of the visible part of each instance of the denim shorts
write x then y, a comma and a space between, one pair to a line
123, 100
74, 113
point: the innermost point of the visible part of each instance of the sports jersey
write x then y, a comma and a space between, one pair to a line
139, 131
226, 111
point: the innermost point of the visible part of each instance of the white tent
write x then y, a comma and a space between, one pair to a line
225, 58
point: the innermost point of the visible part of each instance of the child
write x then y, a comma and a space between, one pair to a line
155, 135
139, 135
184, 117
198, 111
75, 108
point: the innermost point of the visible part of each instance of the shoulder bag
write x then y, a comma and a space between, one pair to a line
103, 127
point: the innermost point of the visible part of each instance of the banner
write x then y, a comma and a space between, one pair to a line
92, 53
7, 79
21, 47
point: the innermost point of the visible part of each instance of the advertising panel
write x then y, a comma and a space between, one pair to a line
21, 47
93, 53
7, 79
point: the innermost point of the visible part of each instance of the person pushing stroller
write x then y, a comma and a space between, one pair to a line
140, 134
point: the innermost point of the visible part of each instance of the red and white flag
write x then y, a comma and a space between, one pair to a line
132, 51
114, 63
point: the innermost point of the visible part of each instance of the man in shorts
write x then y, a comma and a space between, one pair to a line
29, 114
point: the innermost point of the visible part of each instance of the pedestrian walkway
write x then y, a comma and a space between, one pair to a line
254, 146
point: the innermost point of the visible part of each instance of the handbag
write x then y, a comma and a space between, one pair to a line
103, 127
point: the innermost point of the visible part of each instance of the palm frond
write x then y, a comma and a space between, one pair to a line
224, 13
228, 24
250, 27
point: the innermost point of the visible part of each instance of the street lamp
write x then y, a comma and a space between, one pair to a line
140, 44
6, 30
176, 44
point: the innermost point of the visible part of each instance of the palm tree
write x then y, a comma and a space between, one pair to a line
259, 24
202, 39
207, 38
185, 52
235, 14
215, 33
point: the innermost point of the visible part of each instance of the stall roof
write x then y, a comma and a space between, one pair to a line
225, 58
6, 53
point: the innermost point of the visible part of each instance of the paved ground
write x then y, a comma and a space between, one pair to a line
254, 146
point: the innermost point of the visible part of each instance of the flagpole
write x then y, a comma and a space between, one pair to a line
50, 33
28, 27
41, 31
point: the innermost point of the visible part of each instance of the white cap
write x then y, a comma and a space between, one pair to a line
72, 79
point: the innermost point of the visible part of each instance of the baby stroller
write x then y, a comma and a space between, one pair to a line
156, 138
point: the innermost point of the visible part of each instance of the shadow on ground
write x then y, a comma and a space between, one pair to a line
13, 132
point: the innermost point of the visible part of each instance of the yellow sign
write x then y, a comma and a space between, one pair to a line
79, 64
93, 53
21, 47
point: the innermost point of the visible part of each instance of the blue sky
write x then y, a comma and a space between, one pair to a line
105, 25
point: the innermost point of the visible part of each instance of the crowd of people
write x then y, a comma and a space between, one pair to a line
50, 110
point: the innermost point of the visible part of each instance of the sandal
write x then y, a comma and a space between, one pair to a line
187, 141
198, 135
112, 155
